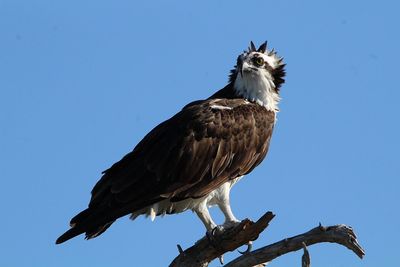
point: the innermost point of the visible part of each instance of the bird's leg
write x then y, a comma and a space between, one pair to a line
230, 219
204, 215
225, 206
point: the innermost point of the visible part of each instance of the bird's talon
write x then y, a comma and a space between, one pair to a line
221, 259
249, 248
213, 234
213, 231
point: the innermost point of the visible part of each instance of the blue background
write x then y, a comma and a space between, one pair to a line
81, 82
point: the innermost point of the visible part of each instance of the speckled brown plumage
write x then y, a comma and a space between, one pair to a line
186, 156
205, 145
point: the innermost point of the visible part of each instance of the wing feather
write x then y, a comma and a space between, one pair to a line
187, 156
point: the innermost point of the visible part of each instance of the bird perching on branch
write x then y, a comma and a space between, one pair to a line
192, 160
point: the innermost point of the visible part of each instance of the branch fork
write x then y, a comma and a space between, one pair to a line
204, 251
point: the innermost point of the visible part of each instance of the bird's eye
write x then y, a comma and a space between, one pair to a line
259, 61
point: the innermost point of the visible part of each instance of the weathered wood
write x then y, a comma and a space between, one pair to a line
340, 234
204, 251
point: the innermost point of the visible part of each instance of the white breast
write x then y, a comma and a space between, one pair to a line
258, 87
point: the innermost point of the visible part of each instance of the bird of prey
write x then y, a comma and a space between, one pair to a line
192, 160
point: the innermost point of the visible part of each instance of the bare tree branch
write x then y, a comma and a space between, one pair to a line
209, 248
204, 251
340, 234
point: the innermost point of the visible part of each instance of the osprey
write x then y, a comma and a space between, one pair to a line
192, 160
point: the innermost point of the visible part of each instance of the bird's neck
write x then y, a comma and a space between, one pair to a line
261, 91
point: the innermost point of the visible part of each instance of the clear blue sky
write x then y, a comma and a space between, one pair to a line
81, 82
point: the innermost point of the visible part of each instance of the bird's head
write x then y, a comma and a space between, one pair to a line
258, 76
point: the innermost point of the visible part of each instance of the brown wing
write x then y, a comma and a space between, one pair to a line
187, 156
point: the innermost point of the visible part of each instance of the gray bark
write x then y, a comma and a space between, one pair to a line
211, 247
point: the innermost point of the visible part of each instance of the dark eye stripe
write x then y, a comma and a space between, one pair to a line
258, 61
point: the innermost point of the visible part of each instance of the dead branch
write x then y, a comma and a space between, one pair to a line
206, 250
340, 234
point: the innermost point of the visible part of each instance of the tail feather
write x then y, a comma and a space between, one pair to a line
87, 221
93, 221
69, 234
80, 217
98, 231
